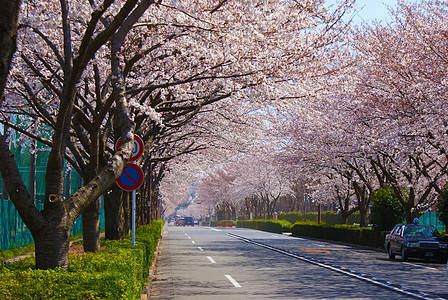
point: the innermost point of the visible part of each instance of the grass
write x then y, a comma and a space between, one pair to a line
27, 250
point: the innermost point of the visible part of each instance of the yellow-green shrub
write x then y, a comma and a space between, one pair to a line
117, 272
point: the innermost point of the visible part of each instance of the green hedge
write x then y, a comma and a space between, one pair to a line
327, 217
365, 236
118, 272
223, 223
278, 226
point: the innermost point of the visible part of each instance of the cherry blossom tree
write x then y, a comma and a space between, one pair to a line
402, 87
244, 75
247, 183
197, 42
57, 77
379, 118
182, 57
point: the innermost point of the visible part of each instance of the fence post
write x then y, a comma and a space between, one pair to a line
32, 179
4, 191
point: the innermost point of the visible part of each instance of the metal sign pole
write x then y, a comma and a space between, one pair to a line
133, 218
132, 176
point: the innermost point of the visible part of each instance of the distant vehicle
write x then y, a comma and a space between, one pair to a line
179, 222
189, 221
416, 240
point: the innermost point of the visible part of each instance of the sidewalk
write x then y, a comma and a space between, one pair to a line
162, 286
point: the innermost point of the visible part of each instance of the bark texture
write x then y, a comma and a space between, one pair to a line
9, 15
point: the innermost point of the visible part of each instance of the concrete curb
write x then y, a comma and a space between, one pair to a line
145, 294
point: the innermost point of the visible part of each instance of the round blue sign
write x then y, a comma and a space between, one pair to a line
131, 178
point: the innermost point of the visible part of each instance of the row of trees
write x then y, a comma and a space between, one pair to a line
269, 99
87, 72
377, 120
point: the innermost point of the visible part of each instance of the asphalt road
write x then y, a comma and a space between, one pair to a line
236, 263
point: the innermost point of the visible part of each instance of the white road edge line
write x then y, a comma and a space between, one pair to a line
416, 265
233, 281
211, 260
200, 249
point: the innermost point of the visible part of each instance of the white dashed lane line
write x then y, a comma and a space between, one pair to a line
211, 260
200, 249
233, 281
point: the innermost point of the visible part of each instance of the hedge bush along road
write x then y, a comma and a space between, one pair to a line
117, 272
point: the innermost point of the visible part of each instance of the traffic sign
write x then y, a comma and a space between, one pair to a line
137, 151
131, 178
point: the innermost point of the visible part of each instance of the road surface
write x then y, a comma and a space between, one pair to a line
236, 263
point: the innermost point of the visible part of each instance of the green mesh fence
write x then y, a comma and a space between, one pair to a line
432, 218
13, 232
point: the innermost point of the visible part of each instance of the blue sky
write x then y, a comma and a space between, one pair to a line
370, 9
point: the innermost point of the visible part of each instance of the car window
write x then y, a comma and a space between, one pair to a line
420, 231
394, 231
399, 229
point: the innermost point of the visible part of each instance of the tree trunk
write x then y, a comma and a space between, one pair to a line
363, 218
363, 196
9, 15
52, 241
409, 214
344, 217
114, 214
52, 244
408, 204
91, 227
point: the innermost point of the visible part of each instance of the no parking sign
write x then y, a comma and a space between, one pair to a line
131, 178
137, 151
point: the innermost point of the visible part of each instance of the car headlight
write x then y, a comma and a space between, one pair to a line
443, 245
412, 244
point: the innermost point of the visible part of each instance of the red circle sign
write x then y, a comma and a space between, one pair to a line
131, 178
137, 151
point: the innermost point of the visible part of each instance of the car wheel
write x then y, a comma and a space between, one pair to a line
389, 251
404, 255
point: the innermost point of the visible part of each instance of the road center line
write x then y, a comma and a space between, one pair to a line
233, 281
211, 260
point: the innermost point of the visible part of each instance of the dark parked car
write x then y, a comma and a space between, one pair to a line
189, 221
416, 240
179, 222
